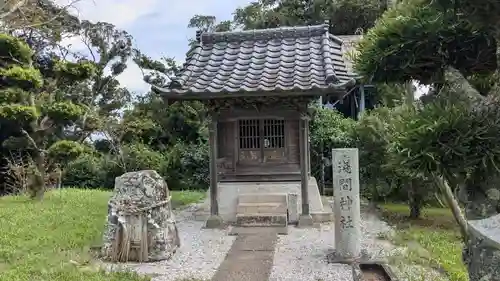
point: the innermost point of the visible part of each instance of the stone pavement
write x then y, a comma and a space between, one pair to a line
251, 255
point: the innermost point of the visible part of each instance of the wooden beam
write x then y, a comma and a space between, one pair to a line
212, 138
304, 179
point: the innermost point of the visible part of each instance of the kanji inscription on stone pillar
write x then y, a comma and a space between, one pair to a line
345, 166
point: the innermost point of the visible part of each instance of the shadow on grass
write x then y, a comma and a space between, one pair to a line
433, 239
433, 218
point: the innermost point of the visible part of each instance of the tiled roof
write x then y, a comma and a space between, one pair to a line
301, 59
349, 43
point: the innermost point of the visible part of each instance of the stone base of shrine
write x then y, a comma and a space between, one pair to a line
230, 192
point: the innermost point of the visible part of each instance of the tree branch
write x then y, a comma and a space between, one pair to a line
443, 186
12, 9
31, 140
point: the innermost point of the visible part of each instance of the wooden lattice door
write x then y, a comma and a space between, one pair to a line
261, 141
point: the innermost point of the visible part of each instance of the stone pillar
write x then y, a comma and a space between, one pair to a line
346, 204
214, 221
305, 219
482, 254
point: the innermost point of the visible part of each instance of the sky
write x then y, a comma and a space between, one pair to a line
159, 27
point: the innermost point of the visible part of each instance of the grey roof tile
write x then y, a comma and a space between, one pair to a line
268, 60
349, 44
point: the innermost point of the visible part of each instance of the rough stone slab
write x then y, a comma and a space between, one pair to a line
322, 217
364, 258
256, 242
250, 258
245, 266
293, 208
140, 209
488, 228
238, 230
214, 222
306, 221
269, 208
261, 220
263, 198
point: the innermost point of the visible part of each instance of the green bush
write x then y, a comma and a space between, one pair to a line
183, 166
187, 166
329, 129
86, 171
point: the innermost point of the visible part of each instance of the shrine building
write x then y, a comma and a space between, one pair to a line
258, 86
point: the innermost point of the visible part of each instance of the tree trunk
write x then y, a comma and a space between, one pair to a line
482, 197
37, 187
415, 200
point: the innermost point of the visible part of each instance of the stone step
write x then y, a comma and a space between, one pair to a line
321, 217
263, 198
260, 208
261, 220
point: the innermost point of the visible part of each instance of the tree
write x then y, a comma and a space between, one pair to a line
453, 138
30, 104
346, 17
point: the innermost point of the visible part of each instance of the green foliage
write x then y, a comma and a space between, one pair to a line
183, 166
460, 142
153, 122
63, 113
96, 171
372, 136
18, 114
14, 50
346, 16
479, 13
139, 129
416, 41
86, 171
75, 71
188, 166
23, 77
65, 150
330, 129
138, 157
12, 95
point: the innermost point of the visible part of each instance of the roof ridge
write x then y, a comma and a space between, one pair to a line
264, 34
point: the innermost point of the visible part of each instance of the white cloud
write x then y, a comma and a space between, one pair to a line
131, 78
160, 15
121, 13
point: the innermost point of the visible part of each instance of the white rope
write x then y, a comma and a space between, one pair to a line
134, 210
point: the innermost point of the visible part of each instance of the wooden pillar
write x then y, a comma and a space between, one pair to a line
214, 181
214, 221
308, 151
304, 179
361, 100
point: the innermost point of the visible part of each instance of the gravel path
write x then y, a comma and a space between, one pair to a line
200, 254
301, 255
298, 256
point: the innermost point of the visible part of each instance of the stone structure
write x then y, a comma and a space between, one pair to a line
346, 209
257, 86
484, 249
140, 224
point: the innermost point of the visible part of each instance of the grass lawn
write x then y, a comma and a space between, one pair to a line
50, 240
436, 231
